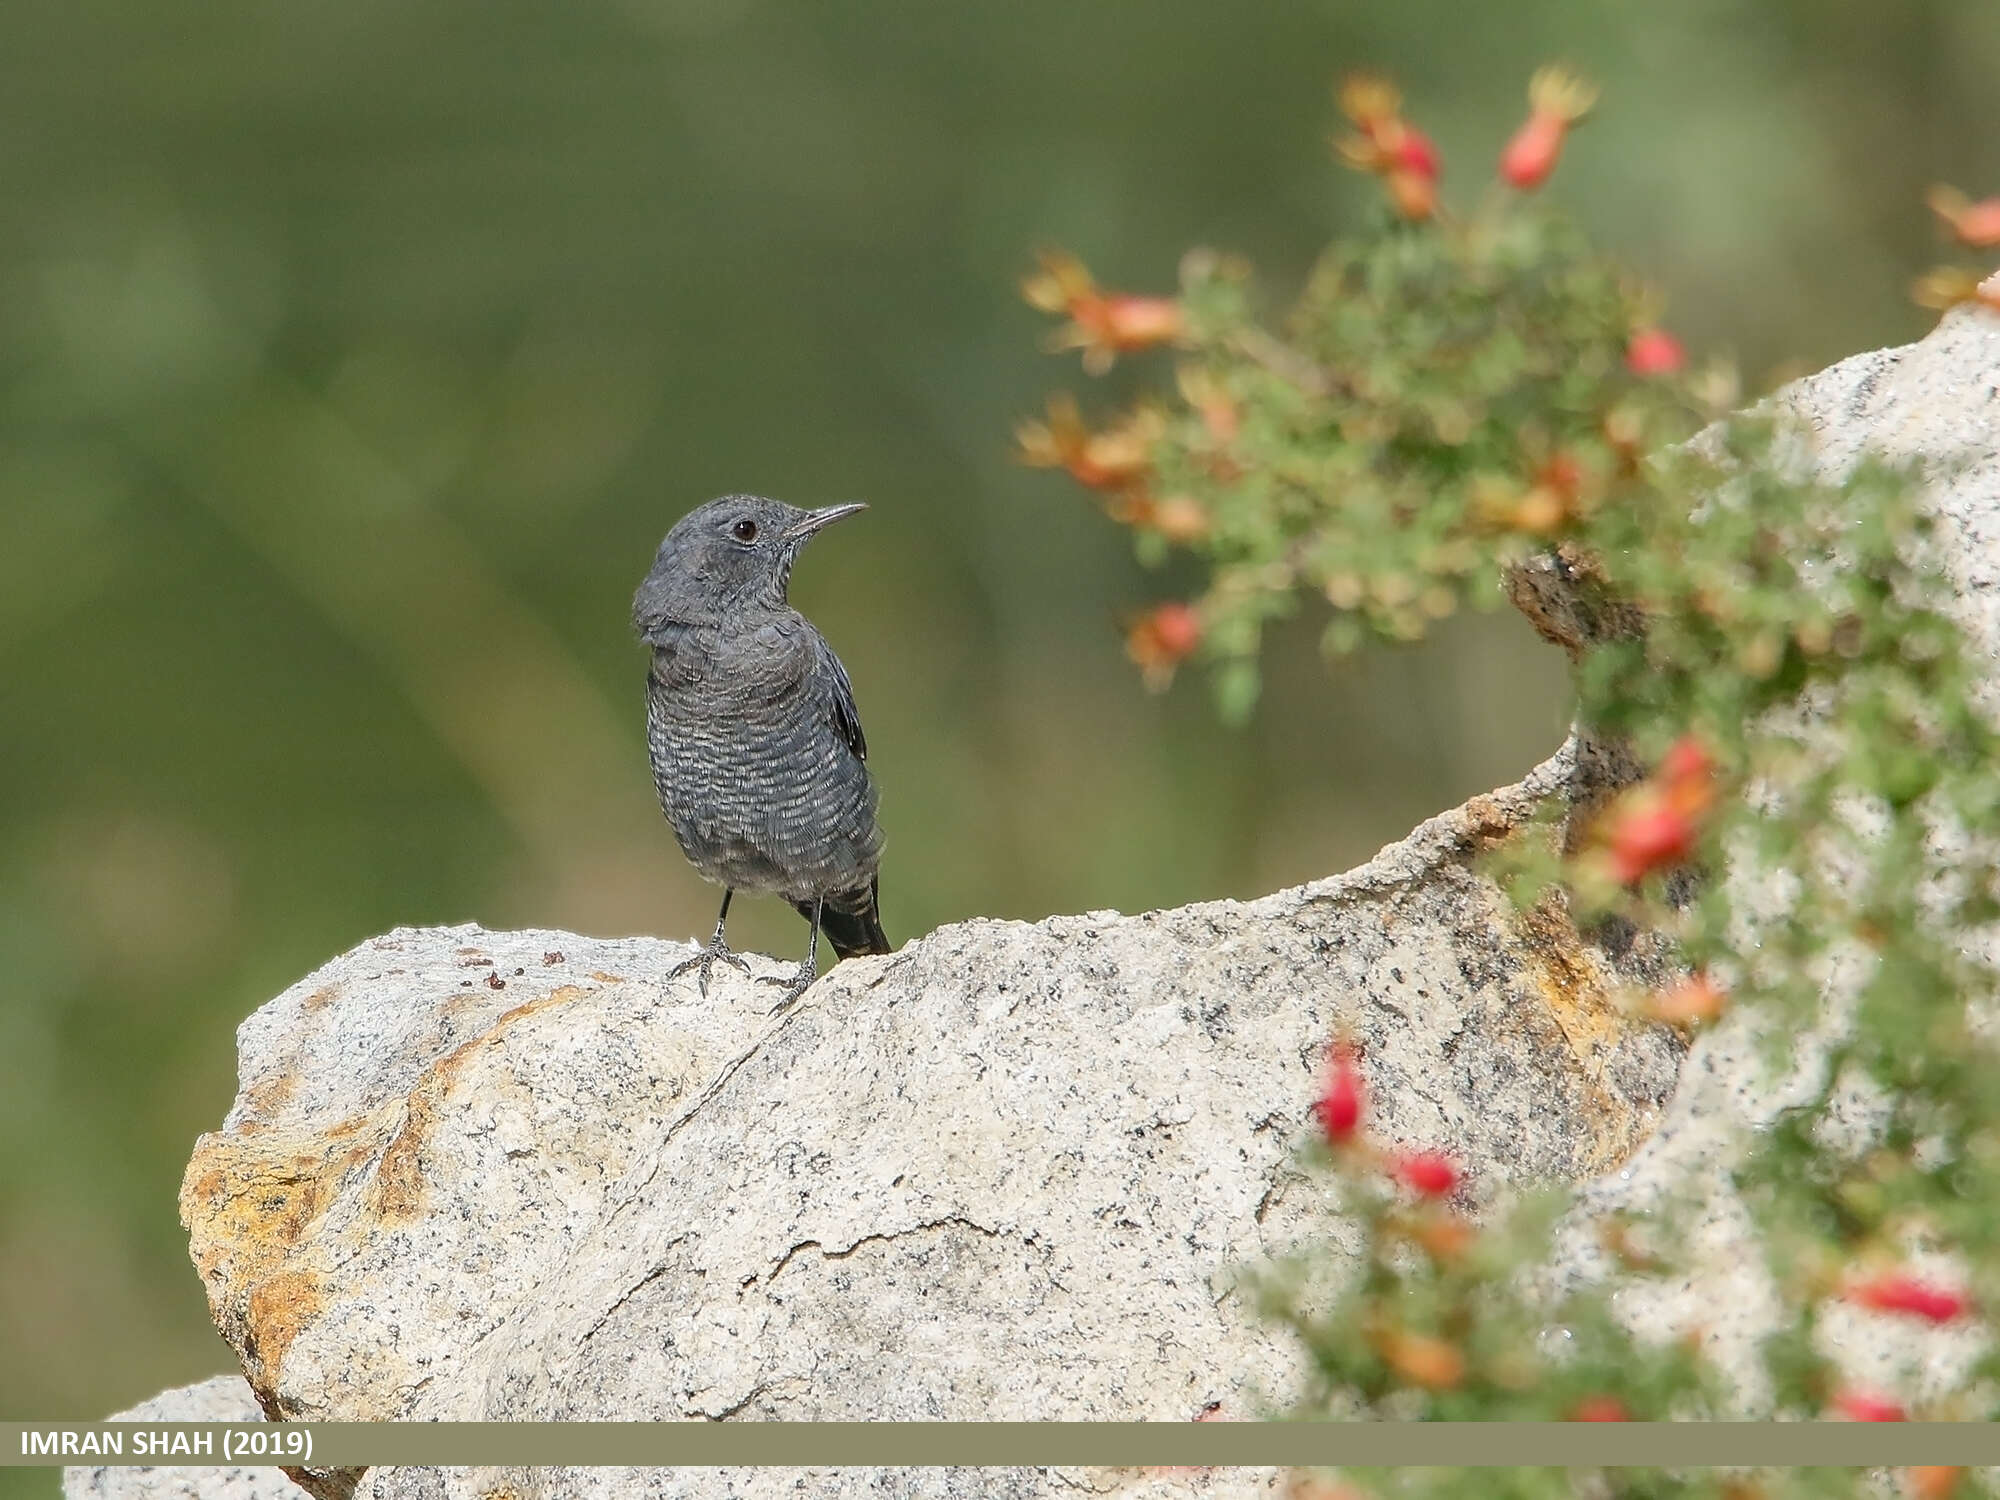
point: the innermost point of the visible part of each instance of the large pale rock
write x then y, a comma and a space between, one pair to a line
223, 1399
1012, 1171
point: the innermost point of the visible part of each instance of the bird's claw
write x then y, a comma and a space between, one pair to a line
706, 960
795, 985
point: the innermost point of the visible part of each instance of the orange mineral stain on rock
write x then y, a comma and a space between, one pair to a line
255, 1198
1576, 989
277, 1310
398, 1190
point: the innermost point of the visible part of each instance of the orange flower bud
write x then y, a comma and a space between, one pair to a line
1159, 640
1180, 519
1562, 473
1129, 322
1540, 512
1557, 99
1696, 1002
1932, 1481
1973, 224
1654, 351
1444, 1236
1599, 1409
1115, 459
1103, 325
1421, 1359
1414, 195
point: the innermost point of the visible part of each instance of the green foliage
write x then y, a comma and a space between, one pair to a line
1453, 401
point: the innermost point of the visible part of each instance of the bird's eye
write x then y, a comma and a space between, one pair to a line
744, 531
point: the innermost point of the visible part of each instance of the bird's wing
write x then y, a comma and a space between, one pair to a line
846, 717
665, 634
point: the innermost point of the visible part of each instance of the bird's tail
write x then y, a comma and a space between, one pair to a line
851, 922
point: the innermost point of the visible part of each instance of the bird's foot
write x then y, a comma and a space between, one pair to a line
795, 984
706, 959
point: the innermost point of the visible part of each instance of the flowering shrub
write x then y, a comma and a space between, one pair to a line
1451, 399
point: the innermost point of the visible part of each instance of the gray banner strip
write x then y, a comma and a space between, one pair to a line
1109, 1444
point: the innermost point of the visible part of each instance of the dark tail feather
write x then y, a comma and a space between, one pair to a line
854, 925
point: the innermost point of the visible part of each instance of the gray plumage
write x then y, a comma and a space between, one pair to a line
757, 750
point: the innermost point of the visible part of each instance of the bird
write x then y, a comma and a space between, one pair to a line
757, 751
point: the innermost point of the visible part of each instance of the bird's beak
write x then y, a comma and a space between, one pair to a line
815, 519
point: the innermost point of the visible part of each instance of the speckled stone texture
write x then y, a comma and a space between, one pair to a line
1013, 1171
1937, 402
224, 1399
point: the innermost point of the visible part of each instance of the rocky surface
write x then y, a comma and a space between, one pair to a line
1936, 402
226, 1398
1012, 1171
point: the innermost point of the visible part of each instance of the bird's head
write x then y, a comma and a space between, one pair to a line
729, 556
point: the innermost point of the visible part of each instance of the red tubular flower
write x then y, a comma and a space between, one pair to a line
1429, 1173
1900, 1292
1649, 836
1417, 154
1973, 224
1654, 351
1688, 772
1102, 324
1655, 824
1696, 1002
1866, 1406
1161, 639
1557, 99
1404, 157
1599, 1409
1339, 1107
1413, 194
1115, 459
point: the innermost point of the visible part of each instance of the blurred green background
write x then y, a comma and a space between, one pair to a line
353, 359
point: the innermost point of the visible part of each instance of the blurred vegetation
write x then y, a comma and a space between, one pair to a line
1459, 398
355, 358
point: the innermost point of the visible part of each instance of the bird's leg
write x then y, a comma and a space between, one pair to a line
716, 949
808, 971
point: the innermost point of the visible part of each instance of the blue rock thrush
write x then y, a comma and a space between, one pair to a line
757, 750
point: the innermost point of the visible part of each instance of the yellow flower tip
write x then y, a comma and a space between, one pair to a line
1555, 90
1035, 445
1357, 152
1367, 98
1946, 201
1043, 293
1062, 280
1944, 287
